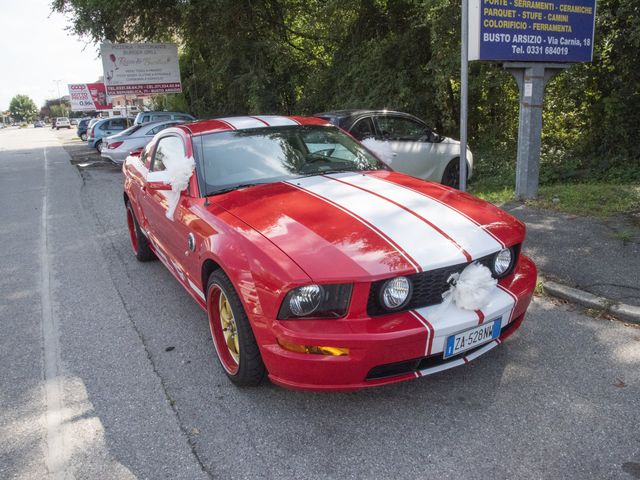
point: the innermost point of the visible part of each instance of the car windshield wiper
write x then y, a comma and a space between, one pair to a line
231, 189
332, 170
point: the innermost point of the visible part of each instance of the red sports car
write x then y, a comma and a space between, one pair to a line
317, 265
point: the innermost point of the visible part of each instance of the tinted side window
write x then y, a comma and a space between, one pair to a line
157, 118
400, 128
119, 123
363, 129
168, 147
155, 130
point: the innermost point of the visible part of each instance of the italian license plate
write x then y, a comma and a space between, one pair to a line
471, 338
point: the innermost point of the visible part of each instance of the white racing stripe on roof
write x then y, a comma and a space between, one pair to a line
461, 229
276, 120
242, 123
416, 238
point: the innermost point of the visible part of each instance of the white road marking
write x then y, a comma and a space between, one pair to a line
56, 455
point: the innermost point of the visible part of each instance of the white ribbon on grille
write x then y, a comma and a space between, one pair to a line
470, 289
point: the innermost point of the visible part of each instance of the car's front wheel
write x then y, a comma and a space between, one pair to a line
139, 242
451, 174
231, 332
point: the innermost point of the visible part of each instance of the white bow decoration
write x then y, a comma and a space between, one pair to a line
470, 289
179, 172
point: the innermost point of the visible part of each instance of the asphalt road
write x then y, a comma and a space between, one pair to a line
107, 369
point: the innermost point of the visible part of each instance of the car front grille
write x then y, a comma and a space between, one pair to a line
428, 286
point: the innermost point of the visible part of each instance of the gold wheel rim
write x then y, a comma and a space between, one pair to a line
229, 327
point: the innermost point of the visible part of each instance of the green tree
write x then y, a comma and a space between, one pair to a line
22, 108
305, 56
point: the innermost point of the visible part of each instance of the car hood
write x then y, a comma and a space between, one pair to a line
367, 226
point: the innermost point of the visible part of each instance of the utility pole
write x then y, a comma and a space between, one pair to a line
464, 93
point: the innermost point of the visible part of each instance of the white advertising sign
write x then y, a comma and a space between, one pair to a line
86, 97
140, 68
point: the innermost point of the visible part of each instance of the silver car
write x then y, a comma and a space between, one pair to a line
405, 142
118, 147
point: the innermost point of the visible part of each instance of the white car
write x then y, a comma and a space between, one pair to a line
407, 143
118, 147
62, 122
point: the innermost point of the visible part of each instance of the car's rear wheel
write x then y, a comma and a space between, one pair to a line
83, 137
451, 174
231, 332
99, 146
139, 242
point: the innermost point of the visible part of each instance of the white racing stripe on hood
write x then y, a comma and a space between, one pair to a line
426, 246
475, 240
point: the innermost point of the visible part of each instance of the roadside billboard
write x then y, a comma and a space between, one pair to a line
531, 30
140, 68
86, 97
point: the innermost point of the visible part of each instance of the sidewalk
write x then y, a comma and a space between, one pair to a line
599, 256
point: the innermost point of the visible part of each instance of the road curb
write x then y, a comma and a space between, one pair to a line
630, 313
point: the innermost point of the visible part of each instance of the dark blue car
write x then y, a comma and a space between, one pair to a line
82, 128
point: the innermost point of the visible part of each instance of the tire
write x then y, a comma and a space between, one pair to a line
451, 174
241, 361
99, 146
83, 137
57, 128
139, 242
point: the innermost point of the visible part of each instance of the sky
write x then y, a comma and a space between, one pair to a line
36, 50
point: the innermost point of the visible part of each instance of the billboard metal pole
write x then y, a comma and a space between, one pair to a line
464, 91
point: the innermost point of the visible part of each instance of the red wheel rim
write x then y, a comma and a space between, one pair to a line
132, 231
215, 296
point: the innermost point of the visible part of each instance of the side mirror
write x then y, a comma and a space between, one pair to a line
158, 181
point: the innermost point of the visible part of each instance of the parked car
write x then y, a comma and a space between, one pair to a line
105, 127
118, 147
414, 147
74, 121
62, 122
38, 124
145, 117
317, 265
83, 126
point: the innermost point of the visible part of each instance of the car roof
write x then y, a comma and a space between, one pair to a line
247, 122
154, 112
344, 118
356, 112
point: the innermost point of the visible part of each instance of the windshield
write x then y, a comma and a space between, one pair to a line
265, 155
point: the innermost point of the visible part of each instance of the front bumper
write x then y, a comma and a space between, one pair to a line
394, 347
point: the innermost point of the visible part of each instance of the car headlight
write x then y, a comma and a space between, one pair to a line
502, 262
395, 293
316, 301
